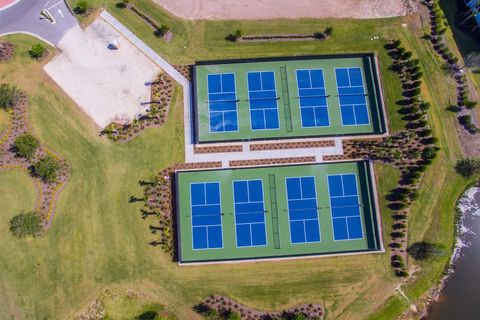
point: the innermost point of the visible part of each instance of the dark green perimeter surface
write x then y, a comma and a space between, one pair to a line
278, 232
287, 90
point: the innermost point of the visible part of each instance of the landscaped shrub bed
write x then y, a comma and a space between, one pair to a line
158, 200
6, 51
219, 307
156, 116
20, 149
239, 36
292, 145
218, 149
159, 30
261, 162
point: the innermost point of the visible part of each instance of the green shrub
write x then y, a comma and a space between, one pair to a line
37, 51
233, 316
9, 96
47, 169
429, 153
81, 7
26, 224
26, 145
328, 31
468, 167
161, 31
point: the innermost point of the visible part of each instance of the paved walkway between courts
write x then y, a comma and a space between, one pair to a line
190, 156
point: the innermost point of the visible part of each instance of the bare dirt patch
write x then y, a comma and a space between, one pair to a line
270, 9
109, 85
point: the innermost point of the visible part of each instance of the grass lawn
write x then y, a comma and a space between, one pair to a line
98, 239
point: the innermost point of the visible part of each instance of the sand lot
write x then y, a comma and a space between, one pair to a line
109, 85
270, 9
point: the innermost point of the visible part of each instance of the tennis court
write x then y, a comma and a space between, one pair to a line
274, 212
288, 98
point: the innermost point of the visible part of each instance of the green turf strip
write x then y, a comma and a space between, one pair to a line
288, 102
277, 221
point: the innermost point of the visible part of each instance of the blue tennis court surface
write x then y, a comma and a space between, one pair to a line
222, 102
249, 213
313, 98
302, 210
206, 215
352, 96
262, 96
345, 207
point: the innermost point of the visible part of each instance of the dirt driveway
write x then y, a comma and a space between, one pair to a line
109, 85
269, 9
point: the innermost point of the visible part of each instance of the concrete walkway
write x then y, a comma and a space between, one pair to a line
190, 156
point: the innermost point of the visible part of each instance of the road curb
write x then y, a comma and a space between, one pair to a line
28, 33
10, 5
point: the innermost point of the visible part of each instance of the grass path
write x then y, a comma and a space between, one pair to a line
98, 239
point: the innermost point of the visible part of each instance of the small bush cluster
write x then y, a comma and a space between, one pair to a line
26, 224
234, 37
47, 169
82, 8
37, 51
9, 96
26, 145
468, 167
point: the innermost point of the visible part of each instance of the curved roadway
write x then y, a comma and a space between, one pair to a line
25, 16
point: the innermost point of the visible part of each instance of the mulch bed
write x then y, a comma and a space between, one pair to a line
292, 145
225, 306
218, 149
6, 51
161, 97
47, 193
260, 162
185, 70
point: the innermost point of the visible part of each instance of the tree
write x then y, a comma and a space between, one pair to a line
429, 153
26, 224
26, 145
47, 169
425, 250
37, 51
81, 7
9, 96
468, 167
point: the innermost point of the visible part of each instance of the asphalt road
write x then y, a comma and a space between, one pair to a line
25, 17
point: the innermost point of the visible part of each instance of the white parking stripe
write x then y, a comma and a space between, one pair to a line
54, 5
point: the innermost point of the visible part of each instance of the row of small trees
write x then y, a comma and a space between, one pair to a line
438, 27
414, 147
